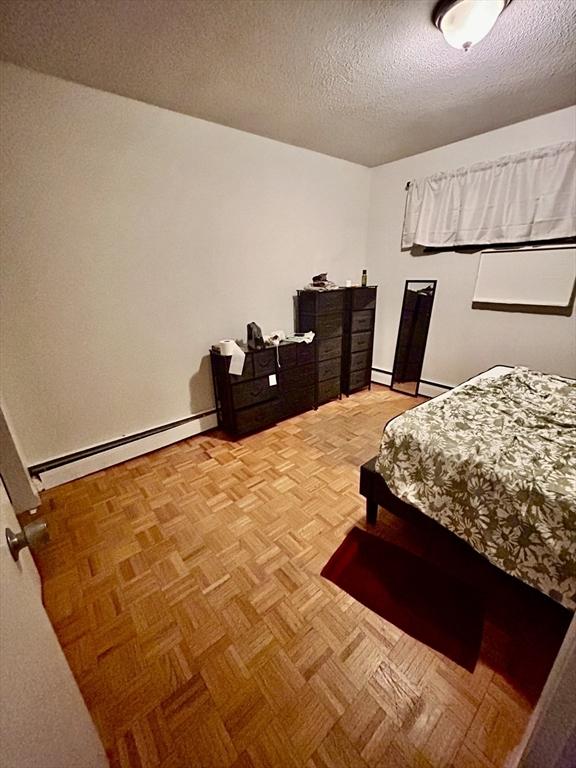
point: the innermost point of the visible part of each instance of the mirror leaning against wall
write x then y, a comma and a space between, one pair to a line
412, 335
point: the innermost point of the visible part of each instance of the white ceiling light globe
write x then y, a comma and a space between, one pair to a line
468, 21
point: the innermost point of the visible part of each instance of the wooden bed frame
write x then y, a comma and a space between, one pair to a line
377, 494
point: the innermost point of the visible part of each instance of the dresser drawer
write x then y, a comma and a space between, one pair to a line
294, 378
329, 369
328, 390
288, 355
329, 326
320, 302
252, 392
257, 417
362, 321
306, 353
358, 379
328, 348
360, 341
324, 326
247, 371
264, 362
329, 301
297, 400
364, 298
359, 361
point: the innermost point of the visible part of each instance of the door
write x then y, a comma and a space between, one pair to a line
44, 722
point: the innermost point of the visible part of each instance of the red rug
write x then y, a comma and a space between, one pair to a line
416, 596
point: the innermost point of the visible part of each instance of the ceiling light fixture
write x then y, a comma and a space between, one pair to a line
465, 22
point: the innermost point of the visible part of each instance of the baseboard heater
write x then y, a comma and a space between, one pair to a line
71, 466
427, 388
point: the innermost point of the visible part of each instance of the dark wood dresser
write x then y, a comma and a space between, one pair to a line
251, 401
323, 313
358, 338
305, 375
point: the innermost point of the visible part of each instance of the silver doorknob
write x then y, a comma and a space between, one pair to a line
33, 535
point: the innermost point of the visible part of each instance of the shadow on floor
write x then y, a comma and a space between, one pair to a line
437, 589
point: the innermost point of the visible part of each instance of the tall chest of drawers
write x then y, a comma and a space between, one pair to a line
323, 313
358, 338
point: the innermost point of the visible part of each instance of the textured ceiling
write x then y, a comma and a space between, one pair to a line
365, 80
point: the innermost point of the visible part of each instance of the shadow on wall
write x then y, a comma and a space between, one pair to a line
540, 309
200, 387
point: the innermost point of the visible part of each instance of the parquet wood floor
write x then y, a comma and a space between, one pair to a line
184, 588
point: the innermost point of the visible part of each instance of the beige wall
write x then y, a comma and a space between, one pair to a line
132, 238
463, 341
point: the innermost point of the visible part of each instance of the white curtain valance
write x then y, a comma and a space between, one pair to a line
515, 199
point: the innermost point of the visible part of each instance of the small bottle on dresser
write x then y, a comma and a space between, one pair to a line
364, 278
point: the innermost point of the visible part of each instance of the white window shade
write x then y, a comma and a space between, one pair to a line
516, 199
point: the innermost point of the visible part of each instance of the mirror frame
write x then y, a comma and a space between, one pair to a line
393, 389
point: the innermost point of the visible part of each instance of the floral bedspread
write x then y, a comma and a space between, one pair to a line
495, 462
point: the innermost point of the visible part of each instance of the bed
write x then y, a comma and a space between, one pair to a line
494, 462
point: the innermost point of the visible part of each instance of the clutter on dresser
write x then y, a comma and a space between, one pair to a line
274, 340
302, 338
231, 348
321, 283
254, 336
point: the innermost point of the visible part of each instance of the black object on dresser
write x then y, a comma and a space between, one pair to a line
358, 338
323, 313
253, 400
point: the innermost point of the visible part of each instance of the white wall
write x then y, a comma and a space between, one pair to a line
132, 238
462, 341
